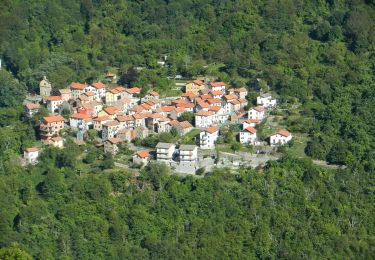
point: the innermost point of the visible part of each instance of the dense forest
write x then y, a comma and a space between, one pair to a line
320, 54
290, 210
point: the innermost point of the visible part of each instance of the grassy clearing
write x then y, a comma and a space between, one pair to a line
171, 93
224, 148
298, 147
190, 137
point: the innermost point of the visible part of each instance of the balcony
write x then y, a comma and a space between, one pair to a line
163, 157
44, 127
184, 158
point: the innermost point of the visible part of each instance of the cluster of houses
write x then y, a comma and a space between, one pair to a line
185, 156
122, 114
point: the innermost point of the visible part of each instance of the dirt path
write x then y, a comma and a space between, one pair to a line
330, 166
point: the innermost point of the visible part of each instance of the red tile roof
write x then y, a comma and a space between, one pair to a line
168, 108
120, 89
283, 132
185, 124
83, 98
259, 108
205, 91
189, 94
174, 122
98, 85
115, 140
217, 84
151, 102
186, 105
112, 123
143, 154
198, 82
154, 93
54, 98
179, 101
133, 90
217, 92
89, 93
137, 109
230, 97
206, 96
114, 91
31, 149
179, 109
139, 116
164, 119
31, 106
235, 102
214, 100
197, 99
79, 116
212, 129
147, 114
50, 119
146, 106
251, 130
125, 118
112, 110
76, 85
252, 121
215, 108
101, 118
203, 105
156, 115
204, 113
172, 117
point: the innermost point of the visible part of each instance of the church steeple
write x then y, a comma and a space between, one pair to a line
45, 88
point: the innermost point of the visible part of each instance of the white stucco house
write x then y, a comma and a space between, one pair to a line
256, 113
78, 120
250, 123
203, 119
208, 137
54, 103
266, 100
165, 151
141, 157
31, 155
109, 129
98, 89
188, 153
217, 86
281, 137
248, 136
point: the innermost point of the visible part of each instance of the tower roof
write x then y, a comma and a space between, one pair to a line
44, 83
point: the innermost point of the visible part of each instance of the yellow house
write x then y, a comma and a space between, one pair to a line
112, 112
112, 96
194, 86
115, 94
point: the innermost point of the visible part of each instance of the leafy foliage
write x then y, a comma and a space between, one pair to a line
319, 52
11, 91
291, 208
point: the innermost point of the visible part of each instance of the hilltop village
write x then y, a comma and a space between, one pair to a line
123, 115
